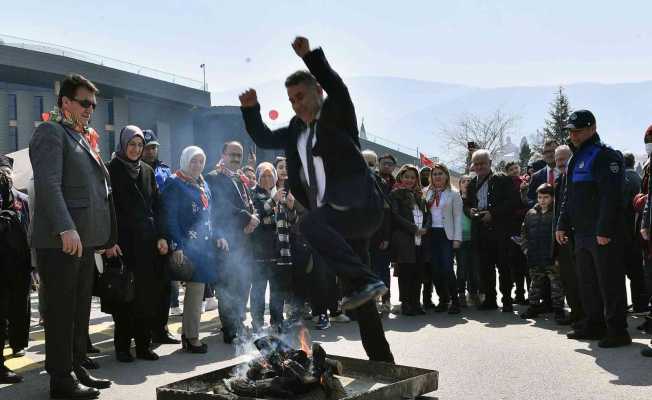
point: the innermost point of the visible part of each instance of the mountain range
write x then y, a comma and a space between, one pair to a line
412, 113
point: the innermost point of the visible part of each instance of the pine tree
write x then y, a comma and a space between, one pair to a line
557, 118
525, 153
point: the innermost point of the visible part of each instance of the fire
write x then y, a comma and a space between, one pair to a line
304, 340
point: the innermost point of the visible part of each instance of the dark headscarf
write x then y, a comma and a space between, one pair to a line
126, 135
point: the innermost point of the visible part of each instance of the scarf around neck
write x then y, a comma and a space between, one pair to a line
196, 183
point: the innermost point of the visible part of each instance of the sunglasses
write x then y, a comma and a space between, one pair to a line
85, 103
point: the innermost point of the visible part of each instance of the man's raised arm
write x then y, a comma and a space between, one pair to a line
259, 132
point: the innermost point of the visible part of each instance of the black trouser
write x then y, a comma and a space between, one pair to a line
380, 261
232, 290
428, 283
568, 275
14, 304
491, 247
602, 284
441, 249
410, 279
128, 326
519, 269
159, 324
341, 240
279, 291
67, 286
633, 260
324, 290
300, 279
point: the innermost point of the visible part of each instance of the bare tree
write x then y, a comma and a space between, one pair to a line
487, 132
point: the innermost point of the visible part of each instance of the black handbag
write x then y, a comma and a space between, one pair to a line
116, 283
179, 272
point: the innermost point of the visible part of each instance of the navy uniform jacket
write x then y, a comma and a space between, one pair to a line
161, 172
593, 201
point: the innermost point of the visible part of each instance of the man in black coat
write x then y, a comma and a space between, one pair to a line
233, 212
490, 203
548, 174
328, 175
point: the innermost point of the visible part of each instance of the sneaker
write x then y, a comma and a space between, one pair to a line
342, 318
612, 341
211, 304
176, 311
323, 323
363, 295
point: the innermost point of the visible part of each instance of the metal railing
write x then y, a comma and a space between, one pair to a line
411, 151
98, 59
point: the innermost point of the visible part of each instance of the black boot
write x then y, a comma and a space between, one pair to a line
69, 388
531, 312
87, 379
9, 376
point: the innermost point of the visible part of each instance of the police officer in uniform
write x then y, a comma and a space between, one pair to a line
592, 208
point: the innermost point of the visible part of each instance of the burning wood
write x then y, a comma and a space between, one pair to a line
281, 371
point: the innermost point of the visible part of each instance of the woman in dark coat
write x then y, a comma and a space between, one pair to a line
271, 242
186, 208
140, 242
409, 242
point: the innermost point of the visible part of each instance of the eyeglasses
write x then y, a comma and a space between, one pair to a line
85, 103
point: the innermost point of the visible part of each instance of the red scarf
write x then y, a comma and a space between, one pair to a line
189, 180
433, 196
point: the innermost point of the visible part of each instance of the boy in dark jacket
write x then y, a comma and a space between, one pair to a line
537, 244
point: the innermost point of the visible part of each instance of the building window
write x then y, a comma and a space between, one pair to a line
13, 138
109, 105
13, 109
38, 107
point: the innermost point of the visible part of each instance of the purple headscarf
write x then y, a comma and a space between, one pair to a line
126, 135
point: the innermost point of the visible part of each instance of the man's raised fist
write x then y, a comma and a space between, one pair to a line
301, 46
249, 98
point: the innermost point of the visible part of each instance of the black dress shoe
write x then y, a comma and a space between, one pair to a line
454, 308
124, 356
18, 353
201, 349
441, 307
146, 354
87, 379
647, 352
612, 341
508, 307
581, 334
165, 338
361, 296
90, 364
69, 388
8, 376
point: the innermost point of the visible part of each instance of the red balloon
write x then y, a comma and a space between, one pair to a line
273, 114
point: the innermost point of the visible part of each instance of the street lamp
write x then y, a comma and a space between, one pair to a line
203, 67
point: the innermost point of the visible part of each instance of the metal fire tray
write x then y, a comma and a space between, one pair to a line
362, 380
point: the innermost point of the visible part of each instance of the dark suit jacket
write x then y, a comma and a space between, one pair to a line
538, 178
70, 190
502, 199
349, 182
229, 211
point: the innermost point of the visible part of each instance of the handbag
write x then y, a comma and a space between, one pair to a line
179, 272
116, 283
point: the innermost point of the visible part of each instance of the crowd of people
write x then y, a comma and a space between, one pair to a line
566, 233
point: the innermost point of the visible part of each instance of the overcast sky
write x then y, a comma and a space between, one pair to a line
479, 43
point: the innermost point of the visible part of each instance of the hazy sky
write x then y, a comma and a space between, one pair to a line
481, 43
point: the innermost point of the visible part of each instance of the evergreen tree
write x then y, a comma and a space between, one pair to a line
557, 118
525, 153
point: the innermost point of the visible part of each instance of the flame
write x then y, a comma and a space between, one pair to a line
304, 340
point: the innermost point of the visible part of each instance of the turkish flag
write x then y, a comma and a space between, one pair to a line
425, 160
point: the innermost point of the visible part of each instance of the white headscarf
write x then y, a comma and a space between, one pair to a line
187, 154
262, 167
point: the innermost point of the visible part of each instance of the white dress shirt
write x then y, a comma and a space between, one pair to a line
320, 173
437, 212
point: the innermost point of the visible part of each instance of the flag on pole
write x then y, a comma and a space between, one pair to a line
424, 160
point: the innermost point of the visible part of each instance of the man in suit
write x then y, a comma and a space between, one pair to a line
328, 175
490, 204
73, 217
234, 213
547, 174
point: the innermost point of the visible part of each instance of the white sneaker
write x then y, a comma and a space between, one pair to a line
341, 318
175, 311
211, 304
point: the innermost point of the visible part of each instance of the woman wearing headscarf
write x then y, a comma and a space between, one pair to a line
271, 247
140, 242
410, 221
185, 216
